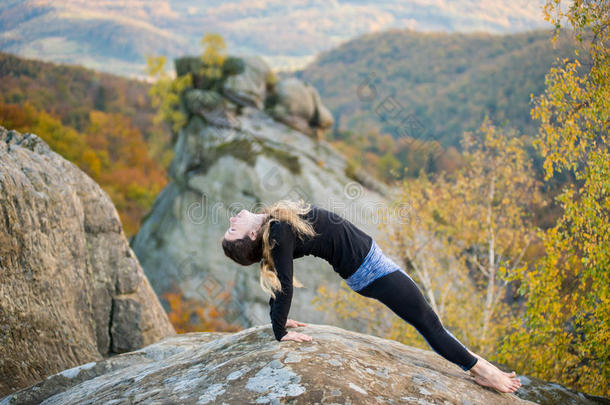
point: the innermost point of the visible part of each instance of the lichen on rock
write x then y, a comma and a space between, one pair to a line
250, 366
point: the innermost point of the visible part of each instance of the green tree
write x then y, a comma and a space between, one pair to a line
564, 334
388, 167
165, 93
214, 55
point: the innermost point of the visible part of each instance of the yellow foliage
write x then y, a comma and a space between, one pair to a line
191, 315
443, 230
564, 334
214, 55
165, 93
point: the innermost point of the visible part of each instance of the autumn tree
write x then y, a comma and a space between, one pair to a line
458, 236
564, 334
125, 169
214, 55
475, 224
193, 315
165, 93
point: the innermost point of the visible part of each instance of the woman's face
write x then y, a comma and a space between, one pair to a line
244, 223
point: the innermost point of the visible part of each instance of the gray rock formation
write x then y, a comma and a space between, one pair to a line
71, 289
247, 81
249, 86
230, 157
299, 106
336, 367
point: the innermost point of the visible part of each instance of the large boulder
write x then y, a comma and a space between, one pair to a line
250, 367
217, 170
71, 289
248, 88
211, 106
298, 105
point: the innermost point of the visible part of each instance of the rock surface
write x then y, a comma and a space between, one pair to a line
71, 289
336, 367
248, 81
300, 107
249, 86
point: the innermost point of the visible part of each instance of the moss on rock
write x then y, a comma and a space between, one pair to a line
244, 150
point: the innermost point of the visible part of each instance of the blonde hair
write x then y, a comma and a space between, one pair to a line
288, 211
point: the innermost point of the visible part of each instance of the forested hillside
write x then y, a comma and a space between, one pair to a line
449, 82
116, 36
386, 88
102, 123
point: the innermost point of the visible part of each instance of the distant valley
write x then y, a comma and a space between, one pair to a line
117, 36
437, 84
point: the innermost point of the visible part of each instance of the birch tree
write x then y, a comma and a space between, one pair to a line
474, 225
564, 335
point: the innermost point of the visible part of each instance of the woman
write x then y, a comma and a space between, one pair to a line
288, 230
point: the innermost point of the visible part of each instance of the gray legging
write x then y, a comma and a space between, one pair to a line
399, 292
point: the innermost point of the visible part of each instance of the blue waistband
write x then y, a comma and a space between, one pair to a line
374, 265
368, 256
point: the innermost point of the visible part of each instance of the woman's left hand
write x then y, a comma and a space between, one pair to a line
291, 323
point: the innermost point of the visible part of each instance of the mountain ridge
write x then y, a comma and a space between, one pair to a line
449, 82
115, 38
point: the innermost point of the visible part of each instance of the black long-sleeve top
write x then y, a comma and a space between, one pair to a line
339, 242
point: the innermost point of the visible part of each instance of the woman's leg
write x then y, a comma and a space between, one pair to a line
400, 293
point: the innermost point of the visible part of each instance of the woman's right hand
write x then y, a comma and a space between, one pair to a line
296, 336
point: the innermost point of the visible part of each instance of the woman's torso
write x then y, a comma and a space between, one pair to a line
339, 241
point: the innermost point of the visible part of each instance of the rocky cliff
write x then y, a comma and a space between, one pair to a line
336, 367
71, 289
249, 140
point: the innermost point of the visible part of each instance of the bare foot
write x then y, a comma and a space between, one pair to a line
488, 375
511, 374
